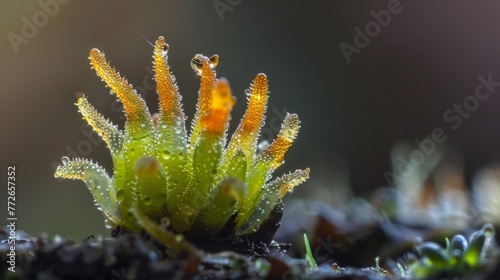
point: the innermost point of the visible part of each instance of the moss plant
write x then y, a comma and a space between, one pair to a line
197, 183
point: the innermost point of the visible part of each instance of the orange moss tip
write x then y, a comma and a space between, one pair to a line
206, 86
133, 105
201, 66
97, 60
168, 93
222, 102
95, 53
292, 180
161, 44
259, 89
260, 84
288, 133
257, 102
247, 133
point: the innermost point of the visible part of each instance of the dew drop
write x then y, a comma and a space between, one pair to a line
196, 64
262, 145
248, 92
214, 60
120, 195
165, 48
165, 222
489, 230
65, 160
109, 224
130, 184
179, 238
57, 239
166, 155
147, 200
188, 210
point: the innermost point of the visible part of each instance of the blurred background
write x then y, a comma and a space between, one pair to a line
355, 105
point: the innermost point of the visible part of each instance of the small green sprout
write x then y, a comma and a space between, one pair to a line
309, 254
401, 270
460, 258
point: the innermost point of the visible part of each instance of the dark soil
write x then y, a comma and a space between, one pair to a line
135, 256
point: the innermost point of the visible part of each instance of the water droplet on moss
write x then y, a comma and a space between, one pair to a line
165, 222
179, 238
147, 200
187, 210
166, 155
489, 230
65, 160
120, 195
108, 224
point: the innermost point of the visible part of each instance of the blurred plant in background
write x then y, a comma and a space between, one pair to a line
429, 201
460, 258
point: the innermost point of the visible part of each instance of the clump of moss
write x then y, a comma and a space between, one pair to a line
197, 183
